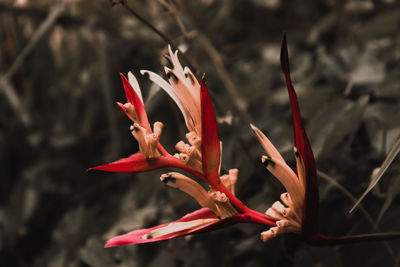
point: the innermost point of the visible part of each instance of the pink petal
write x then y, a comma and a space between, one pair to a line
210, 143
135, 237
138, 163
311, 200
134, 99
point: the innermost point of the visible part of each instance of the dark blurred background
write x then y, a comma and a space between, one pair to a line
59, 71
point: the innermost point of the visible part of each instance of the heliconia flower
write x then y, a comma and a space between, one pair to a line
201, 158
298, 211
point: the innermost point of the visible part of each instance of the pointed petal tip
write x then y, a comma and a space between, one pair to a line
284, 56
254, 128
145, 73
99, 168
108, 244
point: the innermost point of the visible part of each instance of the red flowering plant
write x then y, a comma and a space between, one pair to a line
201, 157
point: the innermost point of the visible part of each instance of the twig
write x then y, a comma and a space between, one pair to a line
159, 33
237, 100
354, 200
5, 85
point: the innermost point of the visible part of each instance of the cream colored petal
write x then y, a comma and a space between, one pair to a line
273, 213
271, 233
266, 144
189, 102
286, 176
135, 85
177, 227
193, 84
190, 187
194, 139
175, 61
285, 197
174, 94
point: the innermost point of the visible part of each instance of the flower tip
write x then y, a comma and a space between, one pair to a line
254, 128
203, 77
145, 73
99, 168
170, 49
109, 244
296, 152
266, 160
167, 178
284, 55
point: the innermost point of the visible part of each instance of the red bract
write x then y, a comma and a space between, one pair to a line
147, 235
297, 210
210, 145
133, 98
311, 199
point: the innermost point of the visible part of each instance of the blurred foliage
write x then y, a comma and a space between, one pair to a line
58, 118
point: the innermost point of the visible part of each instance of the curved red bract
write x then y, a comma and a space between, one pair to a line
210, 142
311, 200
134, 99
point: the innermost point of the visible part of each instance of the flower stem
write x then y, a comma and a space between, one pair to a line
321, 240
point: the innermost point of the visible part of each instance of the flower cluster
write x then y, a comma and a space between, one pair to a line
200, 155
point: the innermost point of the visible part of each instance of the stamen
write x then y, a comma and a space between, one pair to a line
282, 223
267, 235
157, 128
193, 139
